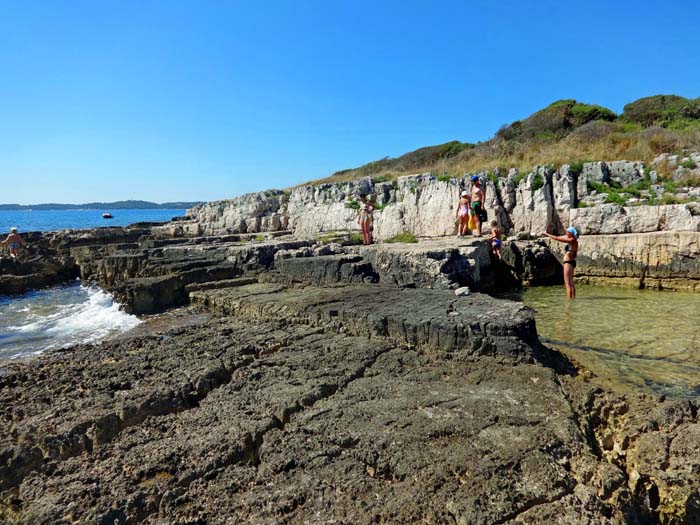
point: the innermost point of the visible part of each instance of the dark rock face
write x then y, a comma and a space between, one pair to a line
33, 272
532, 263
356, 404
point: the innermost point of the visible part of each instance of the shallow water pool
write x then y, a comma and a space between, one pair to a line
635, 340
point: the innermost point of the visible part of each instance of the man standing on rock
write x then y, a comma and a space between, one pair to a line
14, 242
477, 204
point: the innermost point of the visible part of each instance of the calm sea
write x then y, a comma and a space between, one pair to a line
46, 220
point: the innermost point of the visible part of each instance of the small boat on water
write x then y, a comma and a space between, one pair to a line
107, 216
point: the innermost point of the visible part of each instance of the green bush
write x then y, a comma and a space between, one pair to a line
380, 179
597, 186
670, 186
689, 163
582, 205
352, 204
576, 168
584, 113
615, 198
519, 178
445, 177
406, 237
537, 182
669, 199
355, 238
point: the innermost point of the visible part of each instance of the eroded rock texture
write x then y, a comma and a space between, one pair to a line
346, 404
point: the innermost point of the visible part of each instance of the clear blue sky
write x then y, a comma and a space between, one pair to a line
188, 100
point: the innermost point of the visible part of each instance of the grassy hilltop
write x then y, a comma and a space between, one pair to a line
566, 131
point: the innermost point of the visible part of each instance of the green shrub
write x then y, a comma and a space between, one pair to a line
380, 179
355, 238
259, 237
669, 199
689, 163
445, 177
492, 177
670, 186
615, 198
537, 182
597, 186
584, 113
352, 204
406, 237
582, 205
576, 168
519, 178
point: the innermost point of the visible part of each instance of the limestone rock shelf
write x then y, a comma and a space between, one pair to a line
354, 403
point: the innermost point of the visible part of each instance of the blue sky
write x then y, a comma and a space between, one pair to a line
201, 100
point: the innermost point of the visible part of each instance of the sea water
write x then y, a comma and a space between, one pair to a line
47, 220
58, 317
632, 340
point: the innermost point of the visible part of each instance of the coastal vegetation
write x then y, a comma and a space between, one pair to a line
565, 132
405, 237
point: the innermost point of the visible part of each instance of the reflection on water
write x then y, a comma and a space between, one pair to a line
631, 339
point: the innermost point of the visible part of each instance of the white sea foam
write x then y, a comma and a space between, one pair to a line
57, 318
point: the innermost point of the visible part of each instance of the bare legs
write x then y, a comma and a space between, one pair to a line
477, 228
366, 232
569, 281
463, 225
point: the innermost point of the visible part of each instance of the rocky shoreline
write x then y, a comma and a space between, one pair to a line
303, 379
285, 374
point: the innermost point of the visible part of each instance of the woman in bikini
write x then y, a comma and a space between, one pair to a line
364, 219
569, 261
463, 214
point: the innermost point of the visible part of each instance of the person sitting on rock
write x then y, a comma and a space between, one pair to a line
496, 239
462, 215
569, 261
477, 204
14, 242
364, 219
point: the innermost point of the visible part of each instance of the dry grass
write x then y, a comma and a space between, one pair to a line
634, 145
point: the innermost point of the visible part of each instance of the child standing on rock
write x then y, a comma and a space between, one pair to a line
496, 239
463, 214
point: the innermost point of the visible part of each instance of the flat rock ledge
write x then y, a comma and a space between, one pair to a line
342, 404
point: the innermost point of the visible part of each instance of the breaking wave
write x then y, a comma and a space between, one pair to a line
58, 317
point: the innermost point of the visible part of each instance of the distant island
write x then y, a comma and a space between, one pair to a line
118, 205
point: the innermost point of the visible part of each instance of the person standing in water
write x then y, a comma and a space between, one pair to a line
477, 204
14, 242
569, 261
463, 214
